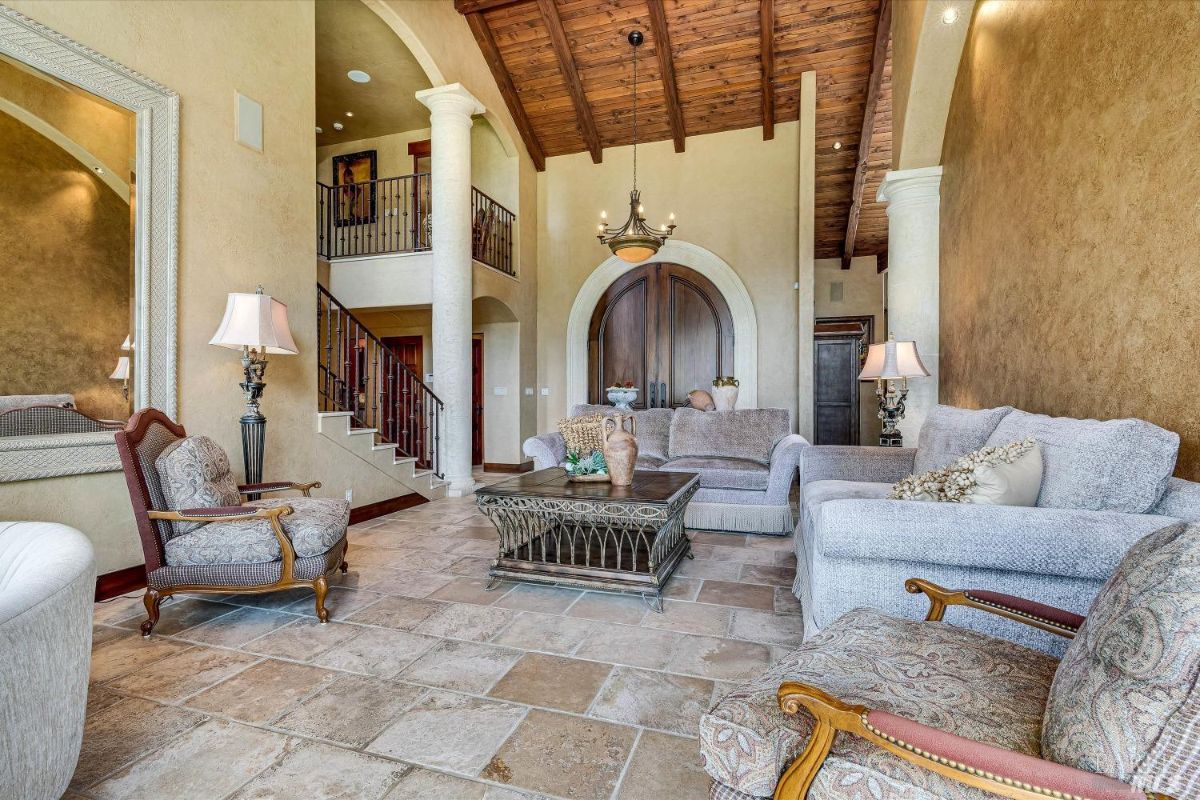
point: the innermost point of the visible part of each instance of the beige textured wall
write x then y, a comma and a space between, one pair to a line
862, 296
65, 239
1068, 281
733, 194
228, 240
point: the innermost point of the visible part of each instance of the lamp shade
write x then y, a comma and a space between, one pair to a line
122, 371
892, 359
126, 345
255, 320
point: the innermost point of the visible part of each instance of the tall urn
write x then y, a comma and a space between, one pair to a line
620, 448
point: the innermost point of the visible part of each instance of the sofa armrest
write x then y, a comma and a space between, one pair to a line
864, 464
1040, 541
1030, 612
546, 450
785, 461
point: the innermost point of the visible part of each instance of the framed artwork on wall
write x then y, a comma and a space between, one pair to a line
353, 181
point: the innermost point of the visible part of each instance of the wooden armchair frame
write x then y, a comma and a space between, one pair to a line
148, 518
981, 766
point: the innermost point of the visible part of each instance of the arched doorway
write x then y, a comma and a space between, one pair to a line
666, 328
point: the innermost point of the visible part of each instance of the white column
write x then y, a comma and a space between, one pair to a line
913, 204
451, 108
806, 203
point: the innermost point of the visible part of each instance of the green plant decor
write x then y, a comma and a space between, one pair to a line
586, 465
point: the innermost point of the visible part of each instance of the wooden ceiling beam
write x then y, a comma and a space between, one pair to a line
491, 54
883, 32
666, 67
766, 46
570, 74
475, 6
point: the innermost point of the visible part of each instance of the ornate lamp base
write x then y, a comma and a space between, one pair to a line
254, 441
891, 411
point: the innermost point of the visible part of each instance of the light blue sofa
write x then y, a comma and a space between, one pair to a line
1104, 486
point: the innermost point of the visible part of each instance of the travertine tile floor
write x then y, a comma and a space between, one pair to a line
423, 685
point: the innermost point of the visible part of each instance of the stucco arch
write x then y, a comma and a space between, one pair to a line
708, 264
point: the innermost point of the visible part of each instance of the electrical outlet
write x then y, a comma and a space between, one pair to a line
349, 495
545, 391
529, 391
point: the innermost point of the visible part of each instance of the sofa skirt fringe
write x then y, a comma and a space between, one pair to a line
772, 520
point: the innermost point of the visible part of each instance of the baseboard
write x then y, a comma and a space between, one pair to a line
524, 466
123, 581
373, 510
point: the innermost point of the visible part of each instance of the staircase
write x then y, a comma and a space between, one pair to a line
372, 404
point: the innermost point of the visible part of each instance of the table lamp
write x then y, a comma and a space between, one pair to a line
887, 363
121, 373
256, 324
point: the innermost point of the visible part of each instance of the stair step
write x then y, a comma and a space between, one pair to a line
405, 459
363, 431
329, 414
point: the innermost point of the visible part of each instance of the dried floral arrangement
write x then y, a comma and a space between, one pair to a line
956, 482
728, 380
623, 385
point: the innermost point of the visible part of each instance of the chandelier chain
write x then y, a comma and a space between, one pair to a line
635, 117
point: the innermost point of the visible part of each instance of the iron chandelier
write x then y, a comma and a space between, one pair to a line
635, 240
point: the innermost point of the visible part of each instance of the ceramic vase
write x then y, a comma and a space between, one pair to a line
622, 397
620, 448
724, 397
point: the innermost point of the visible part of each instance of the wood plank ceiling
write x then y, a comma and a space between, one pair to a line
565, 70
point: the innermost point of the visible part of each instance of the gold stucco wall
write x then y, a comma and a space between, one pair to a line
1068, 279
66, 246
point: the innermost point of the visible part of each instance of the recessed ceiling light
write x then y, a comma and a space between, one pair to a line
337, 126
349, 113
950, 16
320, 129
358, 76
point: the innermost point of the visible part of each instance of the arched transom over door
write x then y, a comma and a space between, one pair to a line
664, 327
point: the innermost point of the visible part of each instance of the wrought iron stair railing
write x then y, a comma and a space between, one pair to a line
359, 374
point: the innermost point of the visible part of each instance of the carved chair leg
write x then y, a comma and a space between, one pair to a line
321, 588
151, 600
795, 782
344, 567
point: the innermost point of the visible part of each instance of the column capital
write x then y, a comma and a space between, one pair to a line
452, 97
902, 186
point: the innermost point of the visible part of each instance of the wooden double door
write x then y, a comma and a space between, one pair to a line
664, 327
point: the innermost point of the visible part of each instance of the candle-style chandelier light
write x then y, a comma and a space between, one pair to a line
635, 240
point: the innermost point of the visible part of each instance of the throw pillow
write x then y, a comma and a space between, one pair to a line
1004, 476
950, 433
701, 400
194, 473
1125, 701
582, 434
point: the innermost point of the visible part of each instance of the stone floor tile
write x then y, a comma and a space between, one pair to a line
746, 555
341, 602
786, 559
381, 652
179, 615
411, 584
771, 575
422, 784
742, 595
206, 763
421, 560
696, 618
545, 632
374, 557
179, 676
115, 733
653, 699
461, 666
471, 567
432, 541
302, 639
401, 613
108, 612
317, 771
535, 597
352, 710
717, 537
631, 645
769, 542
563, 755
786, 602
682, 588
449, 731
623, 608
707, 568
464, 621
472, 590
485, 533
723, 659
262, 692
360, 576
102, 634
273, 601
567, 684
483, 548
122, 656
764, 626
234, 630
665, 766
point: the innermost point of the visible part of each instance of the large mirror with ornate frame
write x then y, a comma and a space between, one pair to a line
88, 192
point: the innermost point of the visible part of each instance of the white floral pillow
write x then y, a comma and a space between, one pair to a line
1010, 475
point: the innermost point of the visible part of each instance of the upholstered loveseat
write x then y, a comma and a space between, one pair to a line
746, 460
1104, 485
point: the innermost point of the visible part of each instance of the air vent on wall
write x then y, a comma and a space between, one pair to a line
835, 292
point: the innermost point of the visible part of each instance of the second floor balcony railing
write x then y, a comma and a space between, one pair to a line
393, 215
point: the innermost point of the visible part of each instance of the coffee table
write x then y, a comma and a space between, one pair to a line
590, 535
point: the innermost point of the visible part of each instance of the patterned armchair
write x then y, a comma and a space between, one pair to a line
882, 708
197, 534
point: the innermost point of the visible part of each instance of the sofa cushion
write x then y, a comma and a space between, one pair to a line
653, 426
744, 433
954, 679
949, 433
194, 472
1118, 465
1125, 701
314, 526
818, 492
648, 462
723, 473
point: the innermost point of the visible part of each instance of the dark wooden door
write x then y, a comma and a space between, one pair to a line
839, 345
664, 327
477, 400
410, 351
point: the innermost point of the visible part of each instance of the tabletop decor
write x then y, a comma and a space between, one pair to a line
890, 364
620, 448
586, 469
725, 393
622, 395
